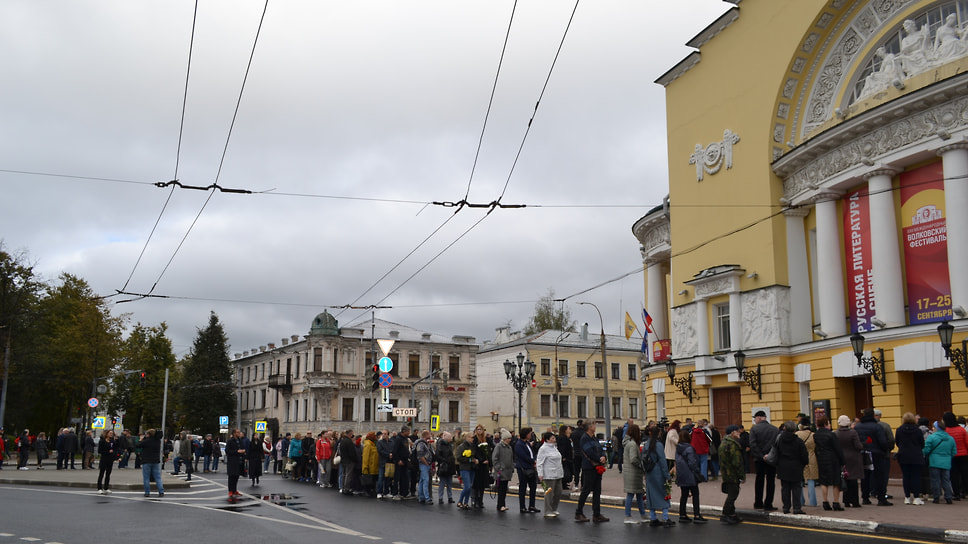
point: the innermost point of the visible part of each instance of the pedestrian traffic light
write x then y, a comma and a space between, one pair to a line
142, 379
375, 378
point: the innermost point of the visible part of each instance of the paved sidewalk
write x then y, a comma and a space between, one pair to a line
121, 479
937, 522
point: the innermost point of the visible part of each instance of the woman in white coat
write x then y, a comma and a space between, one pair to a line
550, 473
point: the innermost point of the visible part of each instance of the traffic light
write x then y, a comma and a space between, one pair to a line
375, 378
114, 420
142, 379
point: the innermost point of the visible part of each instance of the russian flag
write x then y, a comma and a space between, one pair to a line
648, 320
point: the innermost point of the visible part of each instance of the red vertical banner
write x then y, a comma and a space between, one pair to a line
924, 229
857, 245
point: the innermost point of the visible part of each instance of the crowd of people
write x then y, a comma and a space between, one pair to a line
850, 458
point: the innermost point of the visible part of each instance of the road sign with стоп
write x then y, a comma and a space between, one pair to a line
404, 412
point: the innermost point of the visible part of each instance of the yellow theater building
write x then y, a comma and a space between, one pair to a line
818, 193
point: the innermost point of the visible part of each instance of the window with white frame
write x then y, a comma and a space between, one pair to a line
721, 327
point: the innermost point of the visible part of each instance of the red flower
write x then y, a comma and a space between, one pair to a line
600, 469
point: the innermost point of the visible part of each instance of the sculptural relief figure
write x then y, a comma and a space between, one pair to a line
915, 47
883, 76
949, 40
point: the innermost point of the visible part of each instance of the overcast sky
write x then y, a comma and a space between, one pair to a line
380, 101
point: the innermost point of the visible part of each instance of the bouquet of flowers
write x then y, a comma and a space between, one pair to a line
667, 486
600, 469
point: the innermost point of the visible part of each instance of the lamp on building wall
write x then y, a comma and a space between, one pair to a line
752, 377
958, 357
520, 376
873, 365
682, 384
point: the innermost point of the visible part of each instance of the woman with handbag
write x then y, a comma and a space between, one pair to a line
446, 467
853, 462
688, 477
503, 462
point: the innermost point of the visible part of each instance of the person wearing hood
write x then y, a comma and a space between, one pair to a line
790, 461
872, 436
688, 476
551, 472
939, 449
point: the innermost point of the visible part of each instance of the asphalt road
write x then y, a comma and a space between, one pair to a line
285, 511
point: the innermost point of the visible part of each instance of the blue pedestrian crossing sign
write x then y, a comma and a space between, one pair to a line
386, 380
98, 423
260, 426
223, 421
386, 364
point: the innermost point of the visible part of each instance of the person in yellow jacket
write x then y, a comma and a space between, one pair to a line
371, 464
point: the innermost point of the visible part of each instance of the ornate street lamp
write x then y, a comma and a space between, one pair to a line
520, 376
752, 377
682, 384
958, 357
873, 365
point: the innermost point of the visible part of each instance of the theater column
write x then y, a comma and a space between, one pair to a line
833, 316
885, 252
955, 160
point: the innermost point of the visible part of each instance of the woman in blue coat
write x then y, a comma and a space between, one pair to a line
655, 480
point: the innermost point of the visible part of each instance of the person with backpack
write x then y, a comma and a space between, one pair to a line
424, 454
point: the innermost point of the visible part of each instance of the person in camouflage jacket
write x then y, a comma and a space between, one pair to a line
732, 471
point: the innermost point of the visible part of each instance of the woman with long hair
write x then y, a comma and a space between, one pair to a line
633, 475
108, 448
671, 441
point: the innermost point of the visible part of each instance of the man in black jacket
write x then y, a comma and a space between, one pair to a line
151, 461
873, 439
348, 462
762, 436
400, 456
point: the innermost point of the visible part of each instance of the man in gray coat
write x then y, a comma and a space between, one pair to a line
762, 436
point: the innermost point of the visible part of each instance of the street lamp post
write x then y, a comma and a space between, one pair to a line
608, 401
520, 376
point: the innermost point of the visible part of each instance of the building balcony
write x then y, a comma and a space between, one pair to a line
322, 380
281, 381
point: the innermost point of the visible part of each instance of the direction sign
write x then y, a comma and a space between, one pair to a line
98, 423
92, 402
386, 395
386, 364
384, 408
386, 380
404, 412
260, 426
223, 421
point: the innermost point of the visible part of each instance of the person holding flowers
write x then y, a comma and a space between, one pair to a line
592, 468
657, 480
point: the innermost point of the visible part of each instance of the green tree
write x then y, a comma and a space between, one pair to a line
19, 292
148, 350
550, 314
207, 388
76, 342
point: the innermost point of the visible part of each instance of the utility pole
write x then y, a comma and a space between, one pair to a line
607, 405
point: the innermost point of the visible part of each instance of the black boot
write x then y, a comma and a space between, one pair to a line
838, 507
826, 505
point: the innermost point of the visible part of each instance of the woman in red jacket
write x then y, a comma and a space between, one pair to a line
324, 455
